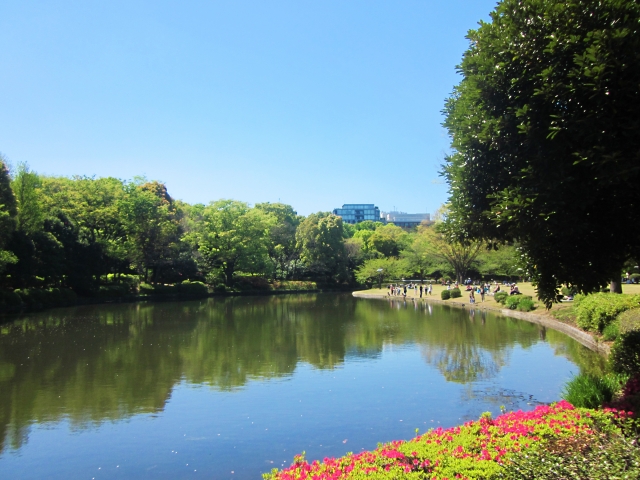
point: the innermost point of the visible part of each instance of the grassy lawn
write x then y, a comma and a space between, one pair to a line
525, 288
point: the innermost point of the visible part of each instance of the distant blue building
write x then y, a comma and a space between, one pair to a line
358, 212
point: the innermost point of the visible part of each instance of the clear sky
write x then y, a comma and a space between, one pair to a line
314, 103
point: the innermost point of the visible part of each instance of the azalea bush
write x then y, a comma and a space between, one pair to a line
478, 449
629, 401
607, 454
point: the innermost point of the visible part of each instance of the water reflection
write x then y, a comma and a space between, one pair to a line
96, 364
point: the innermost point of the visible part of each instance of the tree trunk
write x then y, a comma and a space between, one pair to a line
228, 273
615, 286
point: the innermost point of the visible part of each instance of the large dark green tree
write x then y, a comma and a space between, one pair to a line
8, 213
546, 137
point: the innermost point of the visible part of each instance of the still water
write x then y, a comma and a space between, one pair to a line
230, 388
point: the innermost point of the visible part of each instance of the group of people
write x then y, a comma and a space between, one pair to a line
480, 290
397, 290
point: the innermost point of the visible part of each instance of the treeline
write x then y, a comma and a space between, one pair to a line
101, 236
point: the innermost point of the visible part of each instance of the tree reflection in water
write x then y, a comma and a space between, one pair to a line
94, 364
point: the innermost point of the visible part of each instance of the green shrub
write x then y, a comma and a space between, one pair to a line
455, 293
590, 391
192, 288
294, 285
445, 294
131, 281
113, 291
629, 320
157, 289
147, 289
501, 297
625, 353
596, 311
220, 288
511, 302
42, 298
568, 291
610, 332
251, 283
526, 304
9, 299
31, 297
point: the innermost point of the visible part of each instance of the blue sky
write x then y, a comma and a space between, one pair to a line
312, 103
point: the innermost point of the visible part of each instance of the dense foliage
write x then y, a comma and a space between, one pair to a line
595, 312
105, 237
546, 138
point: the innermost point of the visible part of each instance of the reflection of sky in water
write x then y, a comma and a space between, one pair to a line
389, 380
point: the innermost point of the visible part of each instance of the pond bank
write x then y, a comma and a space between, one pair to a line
544, 320
7, 313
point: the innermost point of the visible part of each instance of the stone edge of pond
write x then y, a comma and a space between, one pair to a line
580, 336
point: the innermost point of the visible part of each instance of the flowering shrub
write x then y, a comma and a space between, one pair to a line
630, 399
474, 450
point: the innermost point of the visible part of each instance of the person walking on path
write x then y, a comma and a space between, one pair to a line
482, 293
430, 288
472, 297
420, 290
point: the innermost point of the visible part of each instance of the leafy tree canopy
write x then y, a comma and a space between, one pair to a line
546, 137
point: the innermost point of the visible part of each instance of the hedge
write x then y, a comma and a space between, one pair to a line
46, 297
594, 312
455, 293
625, 351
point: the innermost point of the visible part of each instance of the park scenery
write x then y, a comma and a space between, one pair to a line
541, 224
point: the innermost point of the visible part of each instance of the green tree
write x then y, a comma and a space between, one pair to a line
281, 240
8, 213
379, 270
420, 256
321, 243
389, 240
368, 225
232, 236
93, 207
26, 187
546, 137
502, 261
444, 247
152, 225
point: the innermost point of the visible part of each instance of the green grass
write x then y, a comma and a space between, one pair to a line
589, 391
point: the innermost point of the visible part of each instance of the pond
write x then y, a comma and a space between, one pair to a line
233, 387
